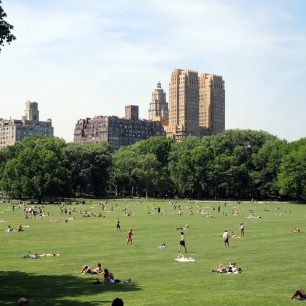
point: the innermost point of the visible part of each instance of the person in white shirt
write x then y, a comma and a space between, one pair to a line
226, 238
242, 230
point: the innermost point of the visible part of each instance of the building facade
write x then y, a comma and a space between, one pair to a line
116, 131
196, 104
131, 112
183, 104
13, 130
211, 103
158, 110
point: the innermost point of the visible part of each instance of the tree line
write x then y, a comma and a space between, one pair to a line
237, 164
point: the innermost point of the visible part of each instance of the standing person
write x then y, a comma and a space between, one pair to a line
226, 238
118, 225
242, 230
129, 237
182, 242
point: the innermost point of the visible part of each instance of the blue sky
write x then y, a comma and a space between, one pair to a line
81, 58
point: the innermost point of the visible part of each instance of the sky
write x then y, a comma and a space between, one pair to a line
79, 58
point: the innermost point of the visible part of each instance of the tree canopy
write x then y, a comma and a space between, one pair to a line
237, 164
5, 29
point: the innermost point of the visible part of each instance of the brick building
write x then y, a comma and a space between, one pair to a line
116, 131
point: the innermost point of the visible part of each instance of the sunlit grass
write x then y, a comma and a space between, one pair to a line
271, 257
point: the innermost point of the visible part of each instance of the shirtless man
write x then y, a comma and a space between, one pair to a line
108, 277
182, 242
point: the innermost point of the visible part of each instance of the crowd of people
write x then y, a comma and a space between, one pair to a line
105, 276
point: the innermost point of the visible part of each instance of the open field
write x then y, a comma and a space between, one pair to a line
271, 256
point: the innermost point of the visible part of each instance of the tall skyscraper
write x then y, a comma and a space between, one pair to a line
183, 104
158, 110
211, 103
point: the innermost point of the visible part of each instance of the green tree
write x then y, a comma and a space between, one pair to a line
161, 148
292, 174
233, 151
146, 174
182, 167
124, 162
217, 166
266, 167
90, 167
5, 29
36, 169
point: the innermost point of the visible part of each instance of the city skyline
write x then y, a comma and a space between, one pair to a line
79, 61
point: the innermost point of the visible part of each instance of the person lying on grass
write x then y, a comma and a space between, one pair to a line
108, 278
49, 255
230, 269
299, 293
36, 256
87, 269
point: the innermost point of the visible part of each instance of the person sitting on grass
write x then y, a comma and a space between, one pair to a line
8, 229
299, 293
296, 230
108, 277
20, 229
86, 269
234, 235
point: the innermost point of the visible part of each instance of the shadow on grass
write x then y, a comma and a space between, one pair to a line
55, 289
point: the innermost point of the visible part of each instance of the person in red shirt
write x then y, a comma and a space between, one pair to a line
129, 237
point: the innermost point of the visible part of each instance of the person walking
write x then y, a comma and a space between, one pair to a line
182, 242
118, 225
129, 237
226, 238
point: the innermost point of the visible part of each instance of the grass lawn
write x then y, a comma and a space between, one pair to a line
272, 258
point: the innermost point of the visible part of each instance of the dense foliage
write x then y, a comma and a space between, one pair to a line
240, 164
5, 29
